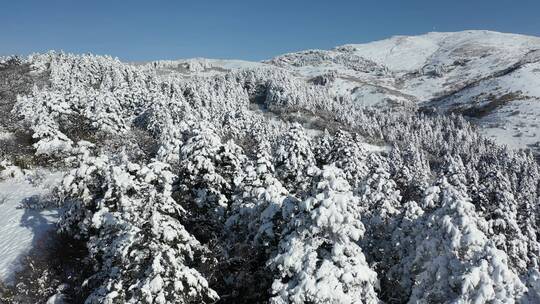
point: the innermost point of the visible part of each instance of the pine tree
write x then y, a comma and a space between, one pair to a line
455, 261
382, 203
348, 155
410, 170
140, 250
253, 230
319, 260
498, 204
294, 158
208, 173
259, 199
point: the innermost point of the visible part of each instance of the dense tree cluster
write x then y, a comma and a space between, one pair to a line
257, 186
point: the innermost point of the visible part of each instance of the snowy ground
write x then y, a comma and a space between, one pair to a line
20, 229
516, 125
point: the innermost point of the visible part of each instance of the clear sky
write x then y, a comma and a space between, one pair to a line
136, 30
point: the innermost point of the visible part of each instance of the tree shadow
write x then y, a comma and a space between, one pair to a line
55, 262
37, 222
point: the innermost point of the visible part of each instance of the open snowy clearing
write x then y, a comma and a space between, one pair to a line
22, 228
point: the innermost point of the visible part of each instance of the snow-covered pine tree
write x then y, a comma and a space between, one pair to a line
253, 229
410, 169
528, 202
381, 203
319, 259
497, 202
294, 159
348, 155
322, 148
455, 261
208, 172
259, 199
140, 250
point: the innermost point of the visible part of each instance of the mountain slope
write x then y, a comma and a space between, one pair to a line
487, 76
480, 74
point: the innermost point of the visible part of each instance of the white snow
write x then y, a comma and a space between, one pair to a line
398, 53
5, 135
375, 148
58, 298
515, 123
407, 53
202, 66
20, 228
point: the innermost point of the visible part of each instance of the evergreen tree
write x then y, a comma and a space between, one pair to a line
208, 173
319, 260
455, 261
382, 203
140, 250
294, 158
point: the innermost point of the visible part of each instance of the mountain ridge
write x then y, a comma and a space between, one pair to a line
428, 71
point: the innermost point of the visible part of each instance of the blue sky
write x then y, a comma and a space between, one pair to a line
136, 30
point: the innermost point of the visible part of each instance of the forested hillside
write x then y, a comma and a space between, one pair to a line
255, 185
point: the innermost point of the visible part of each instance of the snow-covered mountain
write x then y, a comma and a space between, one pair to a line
492, 78
314, 177
426, 67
